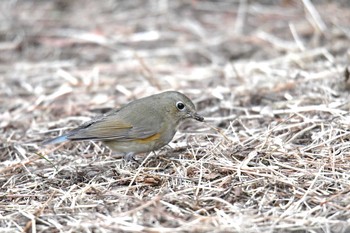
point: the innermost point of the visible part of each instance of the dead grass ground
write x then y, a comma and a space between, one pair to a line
271, 77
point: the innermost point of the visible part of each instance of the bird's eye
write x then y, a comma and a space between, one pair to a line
180, 106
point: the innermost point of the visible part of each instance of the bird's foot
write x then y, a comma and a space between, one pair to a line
129, 157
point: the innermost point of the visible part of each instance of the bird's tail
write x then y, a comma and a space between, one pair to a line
56, 140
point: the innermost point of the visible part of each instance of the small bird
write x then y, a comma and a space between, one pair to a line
143, 125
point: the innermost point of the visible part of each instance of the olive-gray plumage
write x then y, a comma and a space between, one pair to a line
143, 125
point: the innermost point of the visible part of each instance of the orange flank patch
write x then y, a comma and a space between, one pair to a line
149, 139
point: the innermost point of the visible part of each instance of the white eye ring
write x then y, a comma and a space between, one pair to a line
181, 106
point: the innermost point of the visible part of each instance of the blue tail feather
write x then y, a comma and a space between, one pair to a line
56, 140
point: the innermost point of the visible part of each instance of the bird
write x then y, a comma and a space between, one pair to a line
141, 126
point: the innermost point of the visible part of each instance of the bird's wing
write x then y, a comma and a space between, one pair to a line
111, 127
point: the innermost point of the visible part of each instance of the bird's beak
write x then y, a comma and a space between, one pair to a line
197, 117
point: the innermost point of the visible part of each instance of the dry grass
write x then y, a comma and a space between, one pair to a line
271, 79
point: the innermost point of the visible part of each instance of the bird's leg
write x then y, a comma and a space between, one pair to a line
155, 154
